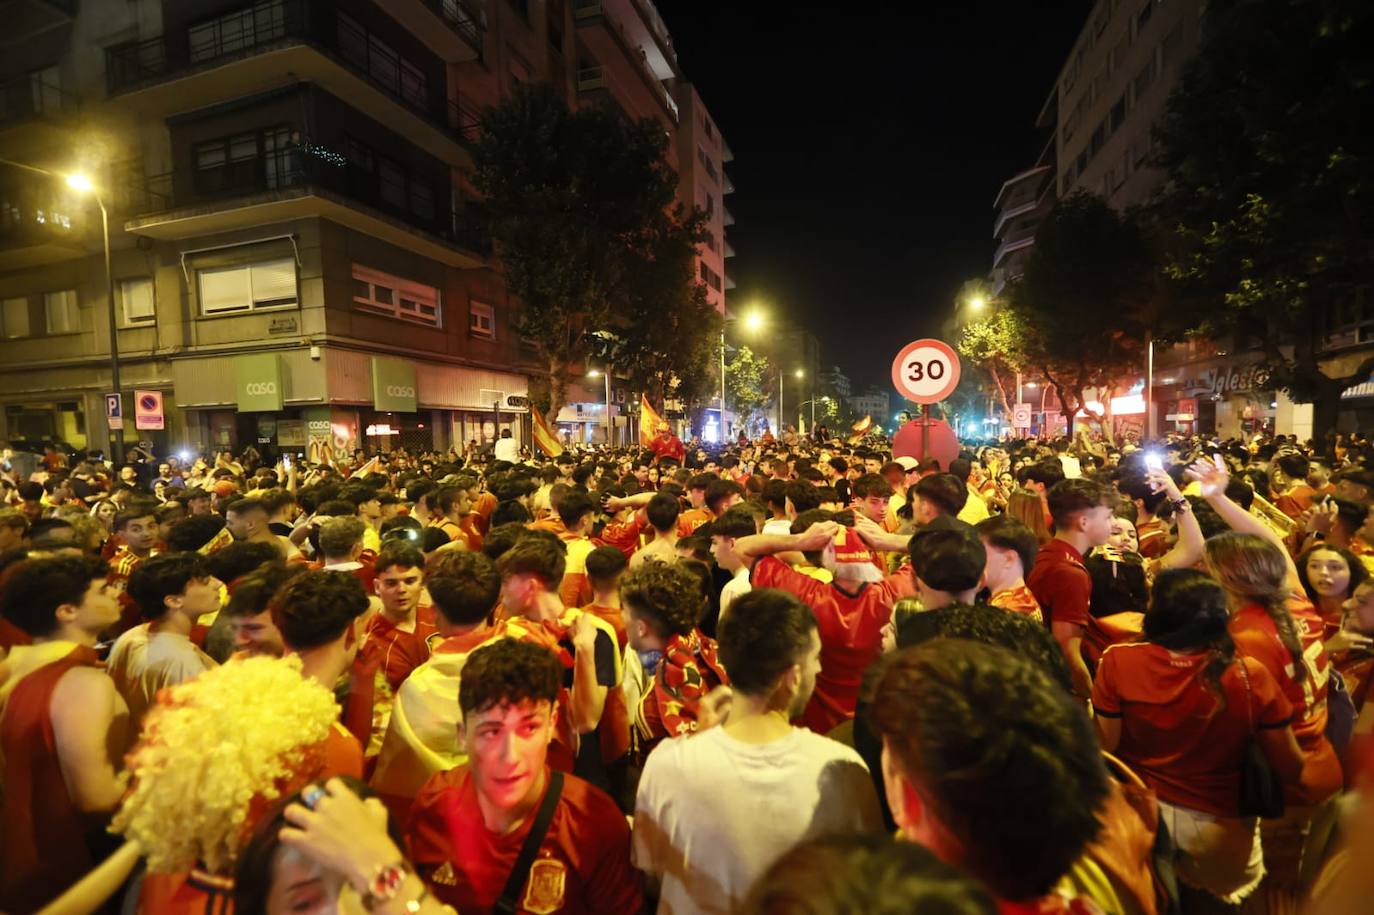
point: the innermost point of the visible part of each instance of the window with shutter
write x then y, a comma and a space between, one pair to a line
274, 283
137, 295
376, 291
14, 313
61, 309
225, 289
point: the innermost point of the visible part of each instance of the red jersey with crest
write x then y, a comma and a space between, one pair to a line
397, 651
583, 866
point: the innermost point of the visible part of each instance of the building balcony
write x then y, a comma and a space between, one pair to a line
40, 227
297, 184
23, 18
35, 116
729, 282
729, 249
1009, 247
728, 187
727, 216
601, 30
202, 66
453, 28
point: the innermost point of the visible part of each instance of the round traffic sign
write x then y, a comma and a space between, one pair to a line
1021, 417
926, 371
148, 402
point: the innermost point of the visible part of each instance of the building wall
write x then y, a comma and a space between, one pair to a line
140, 146
1112, 91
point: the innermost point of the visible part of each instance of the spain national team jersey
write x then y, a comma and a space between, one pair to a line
850, 625
1257, 637
1018, 599
583, 866
397, 651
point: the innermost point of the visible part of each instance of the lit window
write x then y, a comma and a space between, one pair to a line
381, 292
482, 320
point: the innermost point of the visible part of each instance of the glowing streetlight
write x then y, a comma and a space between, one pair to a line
977, 302
598, 373
80, 182
84, 185
754, 321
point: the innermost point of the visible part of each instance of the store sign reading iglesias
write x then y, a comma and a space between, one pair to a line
1228, 380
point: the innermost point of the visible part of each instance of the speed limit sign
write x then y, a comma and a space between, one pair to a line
926, 371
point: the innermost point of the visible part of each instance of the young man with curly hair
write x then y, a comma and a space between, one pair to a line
662, 606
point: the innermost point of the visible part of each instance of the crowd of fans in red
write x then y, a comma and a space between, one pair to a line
785, 677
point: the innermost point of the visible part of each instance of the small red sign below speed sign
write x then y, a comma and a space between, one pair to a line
926, 371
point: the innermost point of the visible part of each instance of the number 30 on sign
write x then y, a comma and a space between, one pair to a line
926, 371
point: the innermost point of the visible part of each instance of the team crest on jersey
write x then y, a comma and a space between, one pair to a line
444, 875
544, 891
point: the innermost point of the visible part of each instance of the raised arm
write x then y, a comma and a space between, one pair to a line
1212, 476
1189, 548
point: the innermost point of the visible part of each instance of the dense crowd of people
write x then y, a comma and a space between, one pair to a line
791, 676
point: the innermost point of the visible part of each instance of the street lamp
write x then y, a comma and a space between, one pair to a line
597, 373
754, 321
813, 401
82, 184
799, 374
977, 302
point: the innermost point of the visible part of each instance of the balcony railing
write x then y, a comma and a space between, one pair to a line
296, 169
29, 98
130, 66
462, 17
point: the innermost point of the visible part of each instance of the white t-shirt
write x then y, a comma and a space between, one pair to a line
735, 587
777, 526
713, 813
506, 450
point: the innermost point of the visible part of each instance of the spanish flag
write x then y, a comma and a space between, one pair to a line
544, 437
860, 429
648, 421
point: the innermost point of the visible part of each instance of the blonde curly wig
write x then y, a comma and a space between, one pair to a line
215, 753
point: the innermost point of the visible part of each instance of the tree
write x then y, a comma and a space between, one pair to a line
749, 382
997, 345
1270, 162
1087, 302
583, 213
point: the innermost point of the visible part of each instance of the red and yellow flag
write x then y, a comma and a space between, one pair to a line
648, 421
544, 436
860, 429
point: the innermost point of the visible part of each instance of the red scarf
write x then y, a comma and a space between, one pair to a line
689, 670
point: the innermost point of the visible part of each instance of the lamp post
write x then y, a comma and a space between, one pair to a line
597, 373
813, 401
752, 322
798, 374
83, 184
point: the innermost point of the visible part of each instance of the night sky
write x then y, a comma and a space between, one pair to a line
869, 145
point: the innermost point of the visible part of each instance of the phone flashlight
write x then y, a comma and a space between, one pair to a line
1153, 462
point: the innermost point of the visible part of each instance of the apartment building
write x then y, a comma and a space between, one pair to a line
296, 253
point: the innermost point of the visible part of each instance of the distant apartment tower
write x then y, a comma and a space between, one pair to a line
1106, 101
297, 254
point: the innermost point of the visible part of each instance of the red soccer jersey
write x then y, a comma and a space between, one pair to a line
1061, 584
583, 866
1153, 538
1257, 637
690, 520
397, 651
613, 617
1174, 734
623, 535
1018, 599
850, 625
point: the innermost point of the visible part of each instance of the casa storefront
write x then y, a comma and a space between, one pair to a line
302, 400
